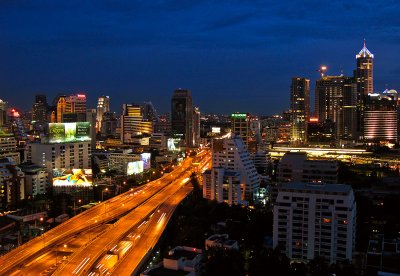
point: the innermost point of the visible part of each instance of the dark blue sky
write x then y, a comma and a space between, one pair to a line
233, 55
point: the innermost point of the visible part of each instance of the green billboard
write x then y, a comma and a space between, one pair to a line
69, 132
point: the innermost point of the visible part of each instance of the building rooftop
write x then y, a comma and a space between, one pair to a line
312, 187
162, 271
183, 253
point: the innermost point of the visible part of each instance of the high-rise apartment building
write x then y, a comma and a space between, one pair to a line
11, 183
299, 108
233, 177
315, 220
103, 106
8, 147
380, 118
182, 116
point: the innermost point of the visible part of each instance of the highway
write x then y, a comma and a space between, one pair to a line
131, 208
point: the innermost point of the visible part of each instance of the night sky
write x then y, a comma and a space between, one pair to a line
233, 55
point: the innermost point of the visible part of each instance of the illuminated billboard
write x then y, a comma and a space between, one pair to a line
134, 167
73, 177
146, 160
173, 144
69, 132
216, 130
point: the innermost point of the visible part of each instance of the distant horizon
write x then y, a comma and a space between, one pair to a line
233, 56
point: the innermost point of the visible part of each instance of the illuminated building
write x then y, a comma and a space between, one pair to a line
103, 106
295, 167
11, 183
3, 113
133, 124
39, 109
35, 179
75, 108
300, 109
8, 147
119, 159
149, 112
61, 107
364, 79
232, 168
182, 116
335, 101
320, 133
63, 155
315, 220
240, 126
380, 118
196, 126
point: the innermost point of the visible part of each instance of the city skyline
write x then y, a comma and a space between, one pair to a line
151, 49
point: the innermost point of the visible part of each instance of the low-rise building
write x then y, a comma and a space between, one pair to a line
221, 240
35, 179
295, 167
12, 188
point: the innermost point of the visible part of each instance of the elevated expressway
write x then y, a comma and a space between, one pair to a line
104, 226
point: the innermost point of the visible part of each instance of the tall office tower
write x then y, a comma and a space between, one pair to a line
75, 108
39, 109
3, 113
196, 126
133, 124
335, 100
103, 106
300, 109
233, 177
380, 118
11, 183
61, 108
350, 110
182, 116
315, 220
364, 78
240, 126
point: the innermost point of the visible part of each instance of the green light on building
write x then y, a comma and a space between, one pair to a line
238, 115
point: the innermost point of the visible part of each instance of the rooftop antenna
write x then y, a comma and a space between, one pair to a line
322, 70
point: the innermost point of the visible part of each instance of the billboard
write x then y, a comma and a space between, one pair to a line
73, 177
146, 160
178, 109
173, 144
134, 167
216, 130
69, 132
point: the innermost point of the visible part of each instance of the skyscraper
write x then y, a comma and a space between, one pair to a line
75, 108
364, 78
182, 116
335, 101
61, 105
39, 109
300, 109
103, 105
133, 124
240, 125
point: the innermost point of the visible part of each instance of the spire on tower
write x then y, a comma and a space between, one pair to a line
365, 52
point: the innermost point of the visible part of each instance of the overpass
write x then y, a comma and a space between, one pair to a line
77, 246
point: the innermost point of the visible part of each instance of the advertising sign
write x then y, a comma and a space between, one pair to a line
146, 160
134, 167
73, 177
173, 144
69, 132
